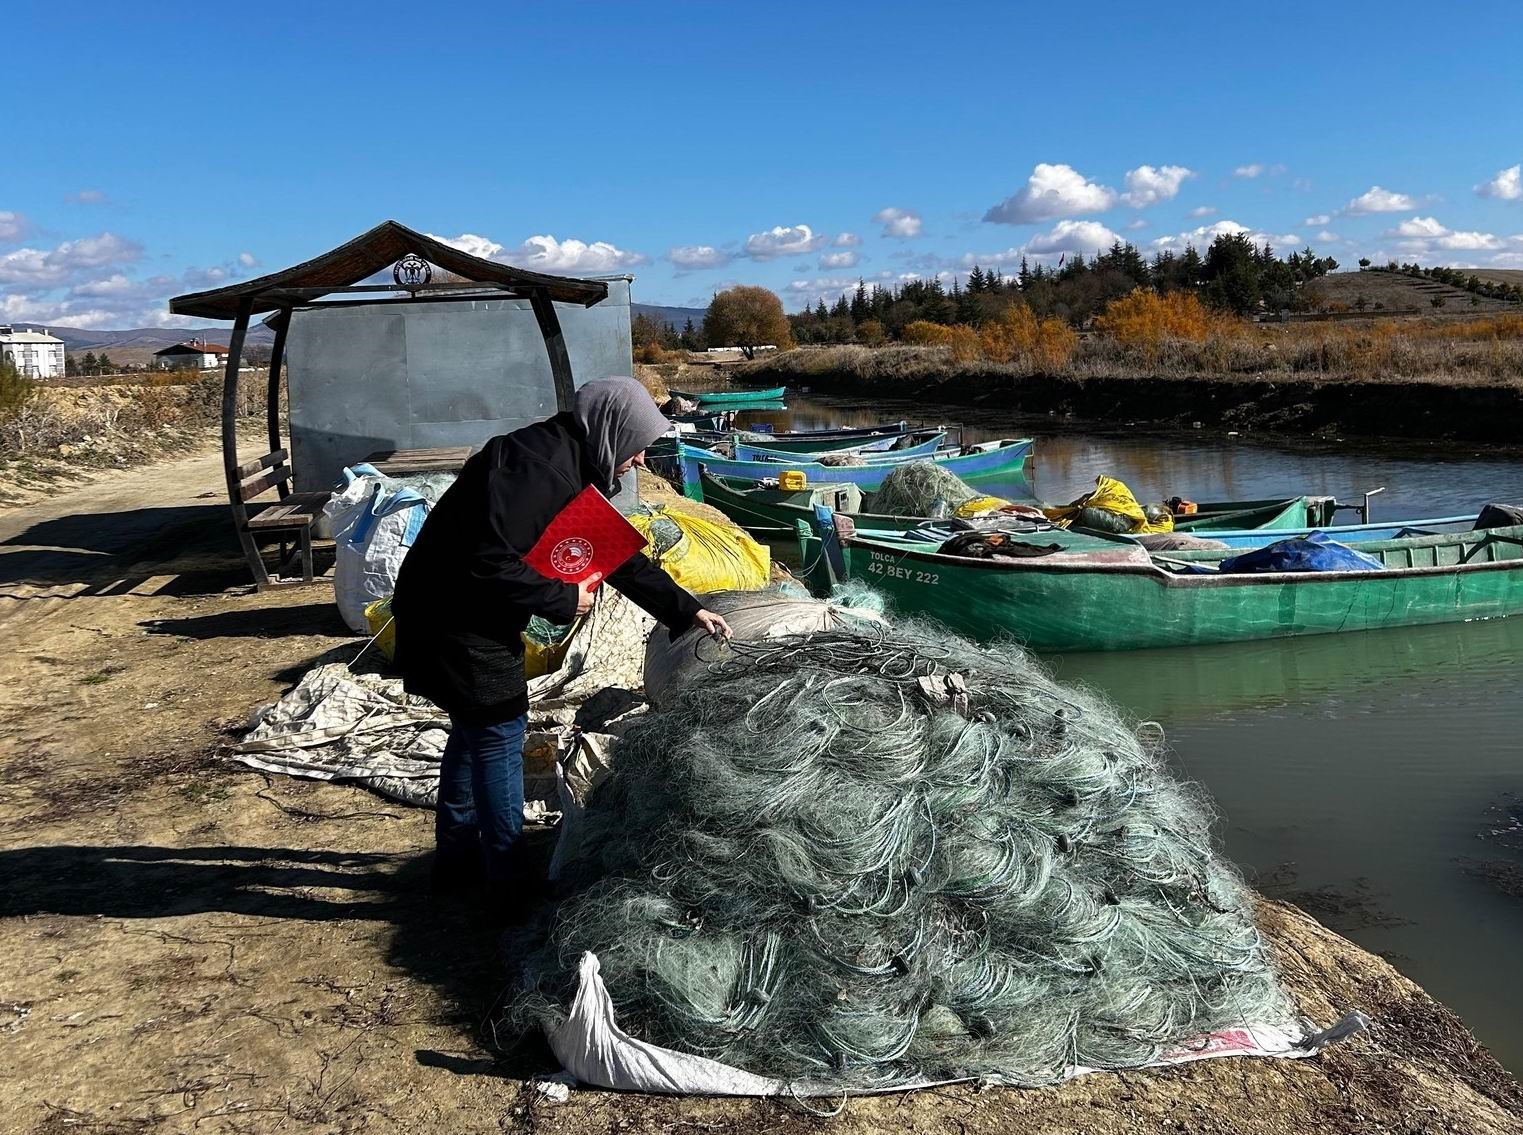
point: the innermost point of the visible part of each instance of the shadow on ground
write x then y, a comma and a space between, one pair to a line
452, 942
320, 616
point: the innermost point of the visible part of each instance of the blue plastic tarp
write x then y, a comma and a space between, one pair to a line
1316, 551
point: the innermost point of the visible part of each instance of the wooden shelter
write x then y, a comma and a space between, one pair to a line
332, 279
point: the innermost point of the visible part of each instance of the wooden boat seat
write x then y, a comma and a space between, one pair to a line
294, 514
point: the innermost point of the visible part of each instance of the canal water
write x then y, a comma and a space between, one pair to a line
1354, 773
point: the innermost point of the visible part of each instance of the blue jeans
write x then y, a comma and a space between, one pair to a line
480, 818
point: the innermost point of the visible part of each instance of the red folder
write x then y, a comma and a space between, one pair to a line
586, 541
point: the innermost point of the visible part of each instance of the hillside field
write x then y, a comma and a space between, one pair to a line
1396, 294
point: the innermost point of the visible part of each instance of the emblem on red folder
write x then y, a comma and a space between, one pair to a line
587, 540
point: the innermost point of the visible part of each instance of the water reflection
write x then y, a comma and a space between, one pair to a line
1225, 679
1420, 479
1366, 760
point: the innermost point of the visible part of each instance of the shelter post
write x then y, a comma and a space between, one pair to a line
272, 394
555, 347
230, 441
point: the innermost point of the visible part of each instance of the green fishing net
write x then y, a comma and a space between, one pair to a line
870, 859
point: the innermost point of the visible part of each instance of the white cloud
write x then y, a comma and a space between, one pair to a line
13, 226
546, 254
1202, 237
1329, 237
784, 240
695, 257
833, 261
1052, 191
1469, 242
824, 284
1203, 211
847, 240
88, 197
899, 223
118, 287
248, 260
1146, 185
1318, 219
1136, 223
49, 268
807, 293
1253, 169
1071, 236
1378, 200
1507, 185
1418, 228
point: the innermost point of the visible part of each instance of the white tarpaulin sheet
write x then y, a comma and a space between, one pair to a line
591, 1047
337, 723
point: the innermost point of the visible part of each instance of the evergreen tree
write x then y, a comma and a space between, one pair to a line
860, 308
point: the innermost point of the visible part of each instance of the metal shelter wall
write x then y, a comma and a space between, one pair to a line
419, 375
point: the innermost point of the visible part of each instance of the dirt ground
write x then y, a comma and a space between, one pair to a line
186, 945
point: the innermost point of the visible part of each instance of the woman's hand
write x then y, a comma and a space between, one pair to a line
584, 593
712, 623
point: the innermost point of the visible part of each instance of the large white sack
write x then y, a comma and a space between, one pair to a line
372, 530
753, 616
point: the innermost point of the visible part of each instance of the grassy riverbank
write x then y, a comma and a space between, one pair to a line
53, 434
1427, 379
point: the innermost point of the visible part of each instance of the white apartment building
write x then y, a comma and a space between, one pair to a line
34, 353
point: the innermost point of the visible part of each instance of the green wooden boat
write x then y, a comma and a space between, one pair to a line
778, 511
733, 397
1124, 599
880, 436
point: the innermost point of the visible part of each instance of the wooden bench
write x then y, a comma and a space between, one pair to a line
292, 515
402, 462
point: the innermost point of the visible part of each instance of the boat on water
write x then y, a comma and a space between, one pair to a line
1121, 597
828, 441
1005, 458
906, 447
733, 397
768, 508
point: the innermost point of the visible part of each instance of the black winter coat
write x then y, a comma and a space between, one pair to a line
464, 594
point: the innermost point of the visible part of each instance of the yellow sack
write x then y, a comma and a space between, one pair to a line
546, 658
539, 658
1113, 496
382, 629
706, 556
978, 506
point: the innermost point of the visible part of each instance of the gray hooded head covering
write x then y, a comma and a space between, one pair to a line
620, 418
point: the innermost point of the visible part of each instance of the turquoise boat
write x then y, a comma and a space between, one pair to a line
770, 509
1122, 598
907, 447
826, 441
1005, 459
733, 397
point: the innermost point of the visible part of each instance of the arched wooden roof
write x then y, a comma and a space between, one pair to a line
369, 253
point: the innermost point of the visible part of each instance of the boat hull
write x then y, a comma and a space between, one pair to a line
755, 451
733, 397
1006, 461
1078, 605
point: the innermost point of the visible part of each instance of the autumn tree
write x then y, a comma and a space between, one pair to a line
747, 317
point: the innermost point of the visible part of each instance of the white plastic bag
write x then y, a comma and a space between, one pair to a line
373, 530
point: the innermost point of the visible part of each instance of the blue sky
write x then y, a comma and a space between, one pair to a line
168, 147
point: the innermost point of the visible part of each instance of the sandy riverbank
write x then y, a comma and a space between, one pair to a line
189, 945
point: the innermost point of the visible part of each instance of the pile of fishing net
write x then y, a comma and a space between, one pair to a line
875, 856
918, 488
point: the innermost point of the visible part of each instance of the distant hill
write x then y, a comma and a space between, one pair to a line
148, 338
676, 316
1398, 293
156, 338
135, 347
